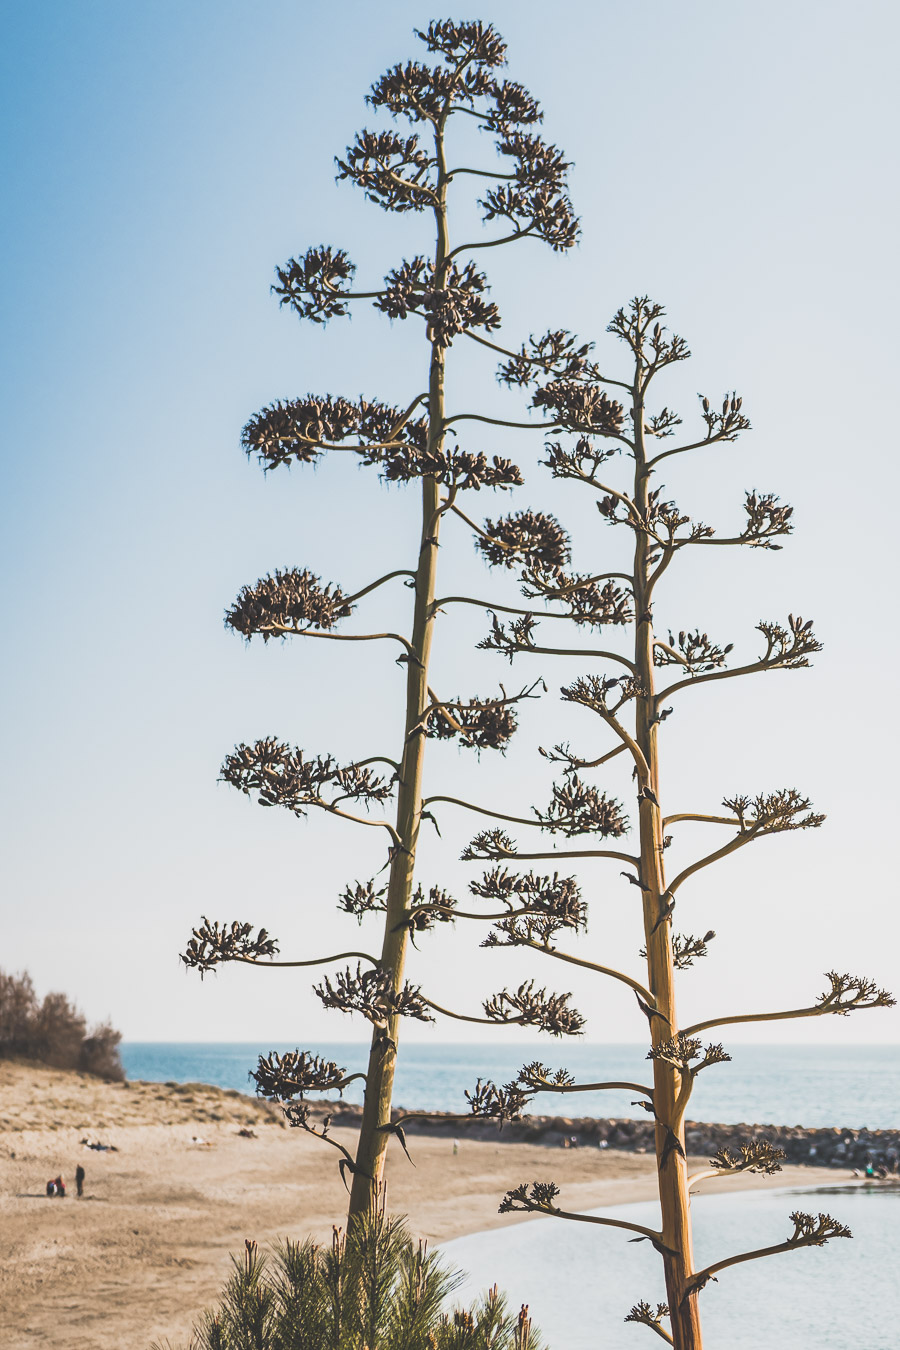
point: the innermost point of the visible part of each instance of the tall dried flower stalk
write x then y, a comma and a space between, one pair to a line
605, 417
406, 443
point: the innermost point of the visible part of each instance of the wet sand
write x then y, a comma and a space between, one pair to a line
148, 1246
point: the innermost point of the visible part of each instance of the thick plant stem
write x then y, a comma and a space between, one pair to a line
373, 1135
373, 1138
672, 1167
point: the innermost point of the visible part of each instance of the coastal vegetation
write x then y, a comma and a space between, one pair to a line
52, 1031
591, 423
374, 1286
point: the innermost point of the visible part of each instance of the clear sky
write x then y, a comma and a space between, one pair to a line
736, 161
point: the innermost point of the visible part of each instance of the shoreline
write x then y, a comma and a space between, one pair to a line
193, 1170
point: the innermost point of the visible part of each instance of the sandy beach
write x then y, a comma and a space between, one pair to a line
149, 1244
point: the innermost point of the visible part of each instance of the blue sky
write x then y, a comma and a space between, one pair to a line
736, 162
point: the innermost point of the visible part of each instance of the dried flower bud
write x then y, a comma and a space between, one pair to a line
214, 943
289, 600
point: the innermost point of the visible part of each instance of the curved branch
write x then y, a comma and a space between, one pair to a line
683, 449
571, 651
590, 965
555, 1213
572, 853
501, 609
283, 630
492, 243
389, 576
752, 669
733, 844
360, 820
464, 1017
708, 820
499, 422
596, 1087
698, 1280
319, 961
818, 1010
481, 810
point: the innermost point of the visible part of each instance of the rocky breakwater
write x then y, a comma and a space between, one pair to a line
819, 1147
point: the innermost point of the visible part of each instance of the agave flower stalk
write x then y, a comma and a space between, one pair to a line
408, 443
603, 417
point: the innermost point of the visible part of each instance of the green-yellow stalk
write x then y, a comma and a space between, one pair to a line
373, 1136
674, 1196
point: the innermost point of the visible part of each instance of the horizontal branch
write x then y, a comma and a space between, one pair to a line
481, 810
595, 1087
466, 1017
698, 1280
818, 1010
555, 1213
572, 853
500, 422
502, 609
591, 965
754, 668
285, 630
708, 820
593, 653
319, 961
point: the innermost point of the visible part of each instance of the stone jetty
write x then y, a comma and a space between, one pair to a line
819, 1147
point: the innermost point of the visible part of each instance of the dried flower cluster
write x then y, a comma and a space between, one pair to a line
529, 537
539, 1196
287, 602
773, 812
532, 1007
756, 1155
370, 993
579, 808
361, 898
847, 993
281, 776
694, 652
480, 724
682, 1051
489, 1102
314, 285
452, 303
281, 1078
214, 943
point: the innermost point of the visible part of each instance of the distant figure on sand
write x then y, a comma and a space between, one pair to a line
79, 1180
51, 1187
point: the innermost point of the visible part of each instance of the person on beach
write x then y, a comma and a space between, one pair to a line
79, 1180
51, 1187
60, 1187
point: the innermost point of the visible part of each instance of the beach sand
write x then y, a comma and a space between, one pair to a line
149, 1245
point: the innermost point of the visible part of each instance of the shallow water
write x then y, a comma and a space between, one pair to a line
580, 1281
853, 1086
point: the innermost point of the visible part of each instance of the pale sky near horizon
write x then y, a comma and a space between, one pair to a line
737, 162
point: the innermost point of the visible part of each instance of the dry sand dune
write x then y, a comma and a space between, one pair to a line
148, 1246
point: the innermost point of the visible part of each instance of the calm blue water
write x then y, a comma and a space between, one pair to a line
853, 1086
579, 1282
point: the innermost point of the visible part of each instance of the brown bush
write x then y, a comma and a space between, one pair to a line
54, 1031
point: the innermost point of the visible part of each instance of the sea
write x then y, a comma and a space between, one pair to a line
580, 1280
850, 1086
